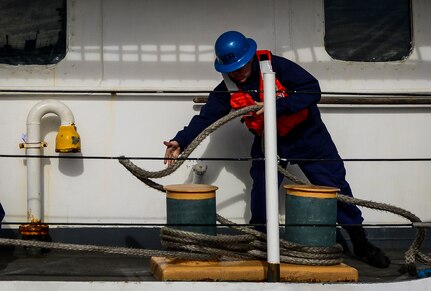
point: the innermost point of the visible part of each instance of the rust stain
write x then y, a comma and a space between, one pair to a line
34, 228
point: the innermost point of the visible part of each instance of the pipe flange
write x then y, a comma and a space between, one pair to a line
34, 229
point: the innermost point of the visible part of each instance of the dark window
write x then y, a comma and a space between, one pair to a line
368, 30
32, 32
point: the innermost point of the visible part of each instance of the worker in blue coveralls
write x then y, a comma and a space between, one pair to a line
301, 131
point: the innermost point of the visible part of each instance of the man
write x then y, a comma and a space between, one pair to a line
301, 131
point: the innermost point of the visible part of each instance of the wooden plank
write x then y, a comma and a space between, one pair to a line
165, 269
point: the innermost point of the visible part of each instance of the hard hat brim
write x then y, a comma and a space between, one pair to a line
241, 62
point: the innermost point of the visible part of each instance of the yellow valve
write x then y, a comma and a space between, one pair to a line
67, 140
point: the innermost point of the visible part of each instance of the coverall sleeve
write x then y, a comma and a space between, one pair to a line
304, 88
217, 106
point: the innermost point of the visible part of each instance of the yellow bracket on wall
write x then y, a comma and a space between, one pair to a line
33, 145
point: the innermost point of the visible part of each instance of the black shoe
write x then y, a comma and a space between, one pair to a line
365, 250
372, 255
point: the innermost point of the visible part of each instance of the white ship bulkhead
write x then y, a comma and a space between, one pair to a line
129, 46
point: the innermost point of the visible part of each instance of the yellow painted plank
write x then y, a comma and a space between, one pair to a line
165, 269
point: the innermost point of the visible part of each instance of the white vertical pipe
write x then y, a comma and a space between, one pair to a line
34, 191
271, 177
34, 194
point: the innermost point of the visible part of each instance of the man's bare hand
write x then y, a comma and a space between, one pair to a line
173, 150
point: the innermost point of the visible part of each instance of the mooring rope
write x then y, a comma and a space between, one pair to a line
145, 175
411, 255
101, 249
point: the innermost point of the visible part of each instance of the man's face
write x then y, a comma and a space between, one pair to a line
242, 74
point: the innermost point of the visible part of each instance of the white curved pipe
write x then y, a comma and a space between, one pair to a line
34, 191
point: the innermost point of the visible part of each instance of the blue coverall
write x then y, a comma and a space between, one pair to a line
308, 140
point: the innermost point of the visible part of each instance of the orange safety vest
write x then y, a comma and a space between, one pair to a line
253, 121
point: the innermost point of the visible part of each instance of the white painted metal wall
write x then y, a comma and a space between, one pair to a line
168, 45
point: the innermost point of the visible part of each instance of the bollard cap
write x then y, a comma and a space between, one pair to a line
311, 191
190, 191
189, 188
311, 188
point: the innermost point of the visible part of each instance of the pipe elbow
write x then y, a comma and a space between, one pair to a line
50, 106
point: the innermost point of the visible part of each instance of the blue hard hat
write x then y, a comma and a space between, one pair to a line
233, 51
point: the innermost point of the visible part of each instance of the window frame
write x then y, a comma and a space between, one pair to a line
337, 53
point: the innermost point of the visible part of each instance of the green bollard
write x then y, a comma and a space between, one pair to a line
192, 205
307, 207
